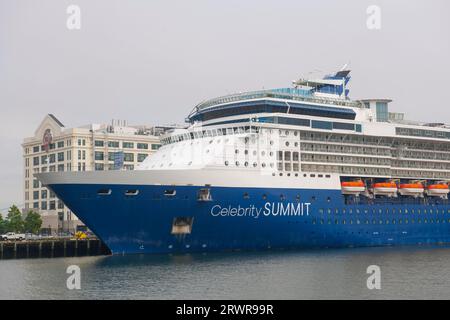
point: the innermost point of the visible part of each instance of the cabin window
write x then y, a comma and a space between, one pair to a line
104, 192
170, 193
131, 192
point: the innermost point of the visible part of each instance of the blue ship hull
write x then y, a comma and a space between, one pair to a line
143, 223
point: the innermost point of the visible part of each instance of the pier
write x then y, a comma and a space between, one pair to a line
52, 248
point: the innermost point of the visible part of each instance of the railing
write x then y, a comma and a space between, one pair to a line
282, 93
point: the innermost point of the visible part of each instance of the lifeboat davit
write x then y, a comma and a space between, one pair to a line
411, 189
385, 188
438, 189
353, 187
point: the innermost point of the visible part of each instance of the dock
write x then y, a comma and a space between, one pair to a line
52, 248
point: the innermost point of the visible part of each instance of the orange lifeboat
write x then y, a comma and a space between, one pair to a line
353, 187
438, 189
385, 188
411, 189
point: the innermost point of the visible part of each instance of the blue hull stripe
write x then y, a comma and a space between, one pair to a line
143, 223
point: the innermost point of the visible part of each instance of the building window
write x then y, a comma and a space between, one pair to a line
60, 167
44, 205
128, 145
35, 183
113, 144
142, 146
155, 146
35, 195
35, 205
99, 167
99, 155
99, 143
60, 144
36, 161
36, 149
52, 205
128, 157
44, 194
60, 156
141, 157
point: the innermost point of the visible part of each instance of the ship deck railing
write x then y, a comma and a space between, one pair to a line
284, 93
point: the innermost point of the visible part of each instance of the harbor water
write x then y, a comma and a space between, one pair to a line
406, 273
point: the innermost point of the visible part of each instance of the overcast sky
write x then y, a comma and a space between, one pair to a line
150, 62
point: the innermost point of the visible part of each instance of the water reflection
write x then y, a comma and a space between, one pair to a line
316, 274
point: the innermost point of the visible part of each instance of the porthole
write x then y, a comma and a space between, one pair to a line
226, 163
170, 193
104, 192
287, 143
246, 163
131, 192
254, 164
237, 163
246, 195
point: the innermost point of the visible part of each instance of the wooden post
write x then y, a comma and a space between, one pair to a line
1, 250
15, 250
28, 249
65, 248
53, 248
40, 249
88, 247
76, 248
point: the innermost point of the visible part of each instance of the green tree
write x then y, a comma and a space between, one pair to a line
14, 218
33, 222
3, 225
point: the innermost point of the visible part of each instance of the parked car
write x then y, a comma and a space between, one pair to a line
13, 236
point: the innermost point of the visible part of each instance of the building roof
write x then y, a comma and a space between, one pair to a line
56, 120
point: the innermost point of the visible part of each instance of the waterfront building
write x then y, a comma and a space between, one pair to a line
55, 148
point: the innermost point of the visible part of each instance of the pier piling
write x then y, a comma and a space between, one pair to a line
52, 248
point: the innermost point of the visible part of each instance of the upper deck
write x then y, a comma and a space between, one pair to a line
328, 94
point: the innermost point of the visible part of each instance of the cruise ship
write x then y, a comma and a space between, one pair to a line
298, 167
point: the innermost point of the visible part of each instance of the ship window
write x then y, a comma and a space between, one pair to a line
246, 163
170, 193
131, 192
104, 192
237, 163
287, 156
226, 163
246, 195
204, 195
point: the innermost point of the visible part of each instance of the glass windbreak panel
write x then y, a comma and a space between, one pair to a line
382, 112
322, 125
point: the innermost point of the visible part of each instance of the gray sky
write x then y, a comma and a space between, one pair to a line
150, 62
